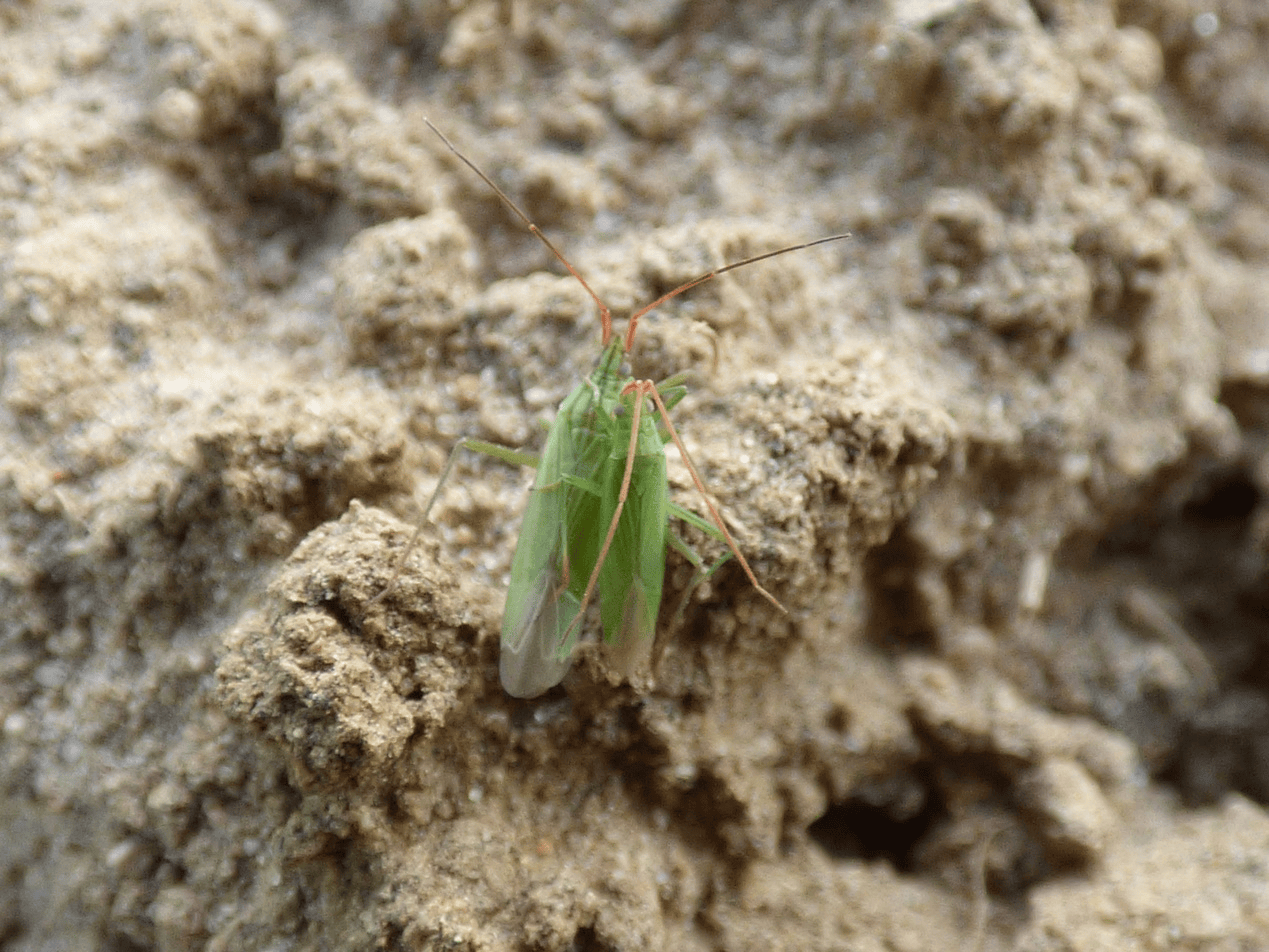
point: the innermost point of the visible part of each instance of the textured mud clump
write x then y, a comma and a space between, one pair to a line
1003, 455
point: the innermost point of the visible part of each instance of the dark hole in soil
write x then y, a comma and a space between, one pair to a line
1231, 500
855, 830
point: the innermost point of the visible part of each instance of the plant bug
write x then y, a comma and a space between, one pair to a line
598, 514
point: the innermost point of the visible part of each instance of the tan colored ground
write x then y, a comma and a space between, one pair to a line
1004, 455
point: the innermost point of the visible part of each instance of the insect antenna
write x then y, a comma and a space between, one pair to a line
709, 276
605, 315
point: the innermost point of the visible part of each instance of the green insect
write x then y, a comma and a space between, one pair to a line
598, 515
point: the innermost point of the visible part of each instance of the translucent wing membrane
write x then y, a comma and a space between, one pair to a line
536, 649
555, 544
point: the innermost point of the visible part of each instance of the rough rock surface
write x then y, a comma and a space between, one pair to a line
1004, 455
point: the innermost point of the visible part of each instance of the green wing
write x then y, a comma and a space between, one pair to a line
633, 574
535, 652
545, 592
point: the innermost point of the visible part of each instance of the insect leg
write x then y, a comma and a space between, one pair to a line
673, 389
504, 453
702, 574
713, 512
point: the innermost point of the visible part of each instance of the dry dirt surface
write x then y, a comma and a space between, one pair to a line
1003, 455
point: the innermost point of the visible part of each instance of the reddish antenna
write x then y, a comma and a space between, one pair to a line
634, 318
605, 314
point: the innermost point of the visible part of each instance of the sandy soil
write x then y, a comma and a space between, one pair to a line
1004, 455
